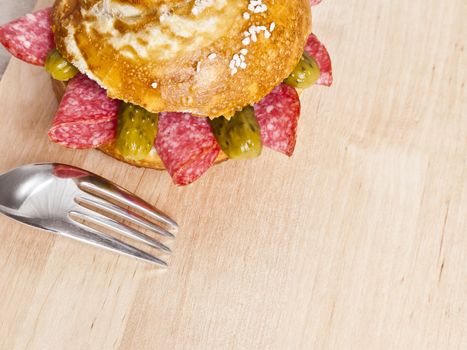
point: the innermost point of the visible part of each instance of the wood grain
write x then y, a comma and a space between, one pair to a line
357, 242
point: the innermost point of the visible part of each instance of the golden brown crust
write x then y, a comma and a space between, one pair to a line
185, 76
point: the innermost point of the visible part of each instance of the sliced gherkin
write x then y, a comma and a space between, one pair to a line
240, 136
58, 67
137, 129
305, 73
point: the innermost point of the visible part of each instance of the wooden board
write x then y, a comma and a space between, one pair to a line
357, 242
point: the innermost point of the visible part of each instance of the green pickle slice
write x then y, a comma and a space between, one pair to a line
305, 73
58, 67
136, 132
240, 136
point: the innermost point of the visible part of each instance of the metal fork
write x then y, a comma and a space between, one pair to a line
75, 203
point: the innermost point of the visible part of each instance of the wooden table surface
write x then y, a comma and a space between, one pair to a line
357, 242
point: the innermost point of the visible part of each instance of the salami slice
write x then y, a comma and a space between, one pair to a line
186, 146
317, 50
30, 37
314, 2
86, 117
277, 115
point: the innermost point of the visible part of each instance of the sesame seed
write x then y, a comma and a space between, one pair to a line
154, 85
212, 56
251, 35
257, 6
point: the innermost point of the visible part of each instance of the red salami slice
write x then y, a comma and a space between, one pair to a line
30, 37
186, 146
86, 117
317, 50
314, 2
277, 115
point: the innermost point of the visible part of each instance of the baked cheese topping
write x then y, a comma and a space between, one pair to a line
162, 29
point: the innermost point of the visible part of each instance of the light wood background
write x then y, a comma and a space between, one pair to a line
357, 242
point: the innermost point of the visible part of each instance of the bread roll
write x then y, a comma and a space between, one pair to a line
206, 57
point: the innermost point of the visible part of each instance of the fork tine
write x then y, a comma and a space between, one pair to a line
122, 229
93, 237
108, 207
123, 196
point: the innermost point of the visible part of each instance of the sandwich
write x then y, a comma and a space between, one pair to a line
174, 85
